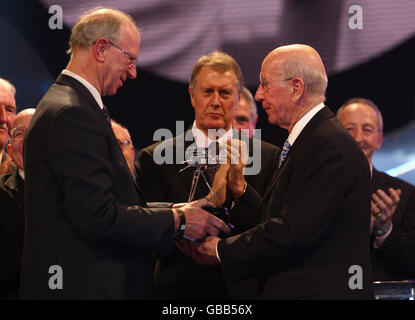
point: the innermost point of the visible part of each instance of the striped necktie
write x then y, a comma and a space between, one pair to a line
284, 152
106, 113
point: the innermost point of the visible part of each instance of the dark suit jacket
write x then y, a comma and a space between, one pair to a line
395, 259
83, 210
11, 233
316, 221
176, 275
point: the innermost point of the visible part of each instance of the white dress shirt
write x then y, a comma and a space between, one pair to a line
95, 93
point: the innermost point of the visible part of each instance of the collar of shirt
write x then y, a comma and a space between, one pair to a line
202, 141
299, 126
95, 93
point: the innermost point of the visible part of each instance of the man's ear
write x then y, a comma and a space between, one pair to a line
100, 45
191, 97
297, 86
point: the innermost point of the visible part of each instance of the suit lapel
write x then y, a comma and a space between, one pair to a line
322, 115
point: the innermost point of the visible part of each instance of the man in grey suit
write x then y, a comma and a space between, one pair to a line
313, 242
89, 233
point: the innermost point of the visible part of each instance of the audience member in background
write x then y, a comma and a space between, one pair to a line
12, 210
125, 142
215, 86
7, 114
393, 200
245, 114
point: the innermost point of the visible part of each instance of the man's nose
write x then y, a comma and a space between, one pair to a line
132, 72
3, 115
215, 100
358, 135
259, 94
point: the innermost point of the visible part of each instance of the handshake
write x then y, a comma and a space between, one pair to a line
197, 228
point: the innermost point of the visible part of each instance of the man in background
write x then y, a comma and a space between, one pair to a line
245, 114
215, 86
7, 114
125, 142
392, 217
12, 209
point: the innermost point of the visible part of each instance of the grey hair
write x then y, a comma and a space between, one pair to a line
247, 95
217, 60
367, 102
98, 22
7, 84
315, 81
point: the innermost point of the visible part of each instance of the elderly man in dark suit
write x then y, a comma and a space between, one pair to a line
12, 209
89, 233
215, 86
393, 200
7, 114
314, 239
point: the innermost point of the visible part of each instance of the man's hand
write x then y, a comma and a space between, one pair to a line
238, 157
219, 185
191, 248
383, 207
199, 222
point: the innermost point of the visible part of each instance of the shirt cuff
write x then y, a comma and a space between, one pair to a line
217, 254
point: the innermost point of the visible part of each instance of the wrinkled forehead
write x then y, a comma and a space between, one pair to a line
6, 97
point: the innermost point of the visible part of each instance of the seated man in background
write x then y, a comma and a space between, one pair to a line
12, 210
126, 145
7, 113
245, 114
393, 200
215, 86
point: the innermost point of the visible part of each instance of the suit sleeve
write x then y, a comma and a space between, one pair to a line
399, 246
80, 157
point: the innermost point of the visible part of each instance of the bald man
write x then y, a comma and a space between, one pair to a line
12, 209
393, 200
313, 242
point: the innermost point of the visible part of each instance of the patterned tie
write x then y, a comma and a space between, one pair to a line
106, 113
284, 152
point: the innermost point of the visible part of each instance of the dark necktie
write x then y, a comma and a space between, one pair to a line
106, 113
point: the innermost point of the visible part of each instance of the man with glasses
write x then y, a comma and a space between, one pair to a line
12, 210
7, 113
89, 233
126, 145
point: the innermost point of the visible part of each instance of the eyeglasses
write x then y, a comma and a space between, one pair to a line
266, 84
131, 58
18, 133
124, 143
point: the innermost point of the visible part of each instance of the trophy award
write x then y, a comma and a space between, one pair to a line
202, 160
